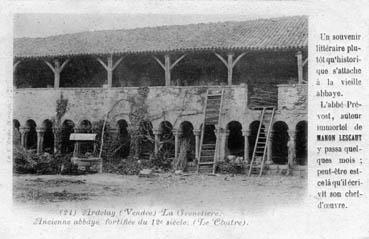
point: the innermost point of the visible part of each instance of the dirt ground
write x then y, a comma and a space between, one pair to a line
252, 194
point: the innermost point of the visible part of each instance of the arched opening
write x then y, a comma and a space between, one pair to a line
31, 138
236, 141
85, 147
279, 143
123, 138
209, 134
301, 143
16, 124
146, 139
16, 133
48, 143
166, 146
187, 142
67, 146
254, 127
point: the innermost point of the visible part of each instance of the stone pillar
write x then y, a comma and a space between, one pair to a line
218, 144
176, 133
291, 148
40, 139
224, 134
24, 131
56, 132
197, 133
156, 133
269, 149
246, 134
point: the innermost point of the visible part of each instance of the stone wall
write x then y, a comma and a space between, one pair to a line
174, 104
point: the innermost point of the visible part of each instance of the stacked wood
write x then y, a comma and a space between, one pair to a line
263, 95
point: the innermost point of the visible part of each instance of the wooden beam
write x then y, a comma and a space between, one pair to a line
299, 67
167, 69
177, 61
110, 67
102, 63
57, 69
238, 59
117, 63
166, 66
160, 63
230, 67
222, 59
15, 65
305, 61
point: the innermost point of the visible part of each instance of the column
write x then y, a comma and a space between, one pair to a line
176, 133
217, 132
269, 149
156, 133
197, 133
24, 131
291, 148
299, 67
57, 143
246, 134
224, 137
40, 139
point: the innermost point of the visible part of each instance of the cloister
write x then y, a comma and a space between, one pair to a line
258, 63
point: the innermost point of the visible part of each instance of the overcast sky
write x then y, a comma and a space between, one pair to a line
41, 25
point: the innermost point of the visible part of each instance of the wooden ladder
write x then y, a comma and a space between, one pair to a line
212, 116
262, 141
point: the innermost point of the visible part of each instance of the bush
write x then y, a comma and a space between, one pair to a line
127, 166
25, 162
228, 167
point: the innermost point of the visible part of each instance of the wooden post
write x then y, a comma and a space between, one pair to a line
299, 67
230, 63
57, 69
167, 67
110, 67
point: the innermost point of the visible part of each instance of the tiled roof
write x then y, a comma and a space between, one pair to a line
261, 34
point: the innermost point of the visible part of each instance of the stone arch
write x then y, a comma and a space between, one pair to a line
85, 126
301, 142
16, 124
187, 136
253, 129
67, 128
48, 141
280, 140
166, 139
31, 137
236, 141
123, 138
16, 132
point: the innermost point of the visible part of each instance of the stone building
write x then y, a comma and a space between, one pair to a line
258, 63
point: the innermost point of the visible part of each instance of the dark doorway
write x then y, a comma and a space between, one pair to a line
301, 143
279, 143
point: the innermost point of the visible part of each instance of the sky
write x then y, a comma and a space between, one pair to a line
44, 24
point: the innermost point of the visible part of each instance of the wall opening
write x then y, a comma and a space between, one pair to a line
254, 127
209, 134
16, 124
48, 144
280, 140
31, 138
146, 139
187, 141
236, 141
166, 146
67, 146
123, 138
85, 147
301, 143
